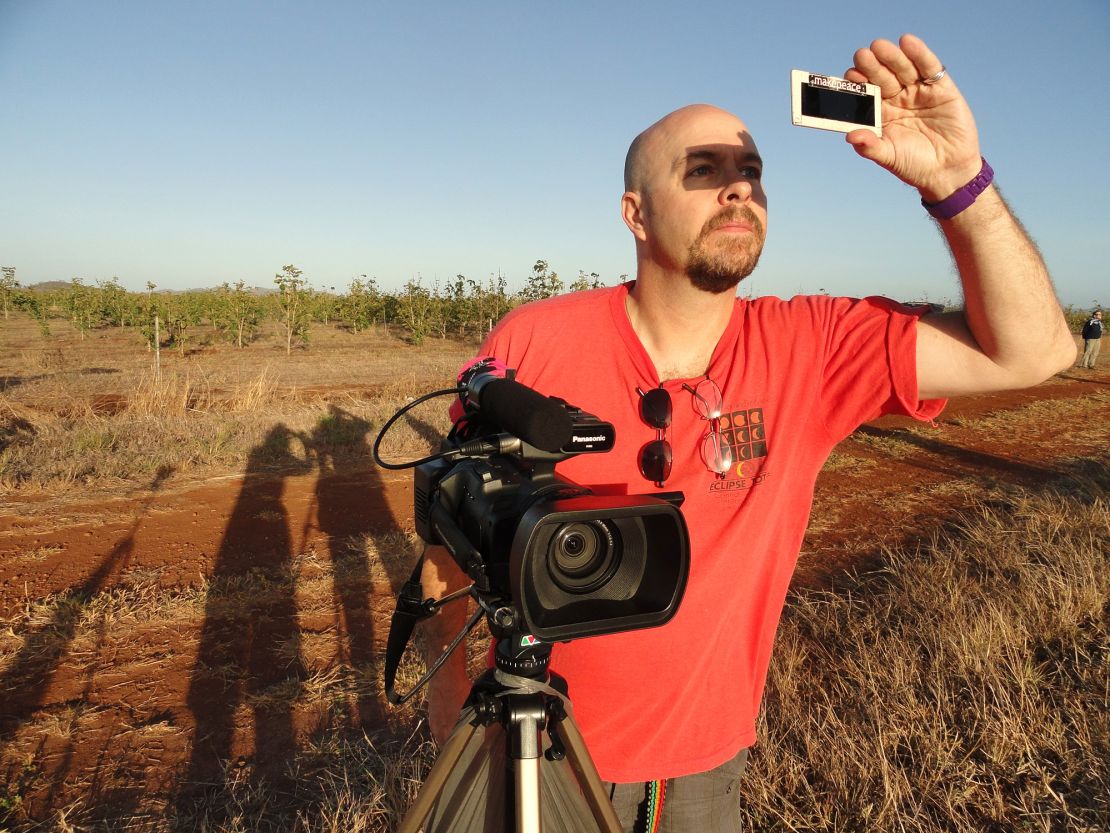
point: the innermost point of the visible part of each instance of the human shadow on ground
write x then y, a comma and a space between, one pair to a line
962, 458
1077, 374
346, 512
249, 656
45, 647
251, 644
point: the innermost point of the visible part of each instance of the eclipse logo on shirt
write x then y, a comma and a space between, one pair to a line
746, 434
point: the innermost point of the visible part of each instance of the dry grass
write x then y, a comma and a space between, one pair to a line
340, 779
78, 414
962, 685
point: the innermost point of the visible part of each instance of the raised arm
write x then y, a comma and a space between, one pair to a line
1011, 332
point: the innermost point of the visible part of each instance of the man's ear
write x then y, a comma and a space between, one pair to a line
632, 211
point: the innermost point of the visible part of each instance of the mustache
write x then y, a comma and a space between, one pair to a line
733, 214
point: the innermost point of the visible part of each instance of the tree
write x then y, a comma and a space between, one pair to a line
362, 304
293, 297
324, 305
488, 303
115, 305
8, 287
236, 313
150, 315
416, 310
542, 283
459, 308
182, 311
584, 281
82, 303
28, 301
34, 306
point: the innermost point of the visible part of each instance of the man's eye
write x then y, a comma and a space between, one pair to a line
751, 172
700, 170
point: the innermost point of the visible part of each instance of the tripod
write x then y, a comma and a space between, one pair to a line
555, 790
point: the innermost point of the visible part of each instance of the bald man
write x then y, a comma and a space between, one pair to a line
748, 397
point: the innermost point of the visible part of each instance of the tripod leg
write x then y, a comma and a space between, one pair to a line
528, 796
437, 777
525, 723
583, 766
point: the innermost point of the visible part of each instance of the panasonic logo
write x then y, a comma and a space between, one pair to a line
598, 439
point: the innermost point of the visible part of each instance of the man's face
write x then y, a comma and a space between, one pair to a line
704, 210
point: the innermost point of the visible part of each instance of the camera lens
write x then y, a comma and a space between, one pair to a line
582, 556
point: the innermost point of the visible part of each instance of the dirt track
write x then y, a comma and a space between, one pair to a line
140, 710
178, 532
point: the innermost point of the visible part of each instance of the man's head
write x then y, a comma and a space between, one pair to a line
694, 197
1097, 314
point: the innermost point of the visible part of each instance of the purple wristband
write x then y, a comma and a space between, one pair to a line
950, 206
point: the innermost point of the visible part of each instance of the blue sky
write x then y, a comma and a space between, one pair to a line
194, 143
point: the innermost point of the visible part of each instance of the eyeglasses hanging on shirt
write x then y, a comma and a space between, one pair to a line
655, 409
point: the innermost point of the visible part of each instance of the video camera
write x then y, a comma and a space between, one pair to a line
565, 562
550, 561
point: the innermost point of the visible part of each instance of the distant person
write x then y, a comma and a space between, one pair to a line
1092, 340
747, 400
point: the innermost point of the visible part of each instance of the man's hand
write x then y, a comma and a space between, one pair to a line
929, 138
1011, 332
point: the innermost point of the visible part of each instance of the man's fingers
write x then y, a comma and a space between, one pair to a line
869, 146
853, 74
896, 62
895, 67
925, 63
873, 71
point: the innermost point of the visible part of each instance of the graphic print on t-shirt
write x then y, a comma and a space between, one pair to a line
746, 434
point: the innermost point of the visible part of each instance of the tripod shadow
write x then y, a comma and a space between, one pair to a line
248, 668
24, 685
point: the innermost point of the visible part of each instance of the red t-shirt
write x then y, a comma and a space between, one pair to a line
796, 377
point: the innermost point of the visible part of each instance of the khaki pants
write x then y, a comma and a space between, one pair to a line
1091, 347
707, 802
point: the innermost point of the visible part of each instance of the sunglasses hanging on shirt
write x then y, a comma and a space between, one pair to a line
655, 456
655, 410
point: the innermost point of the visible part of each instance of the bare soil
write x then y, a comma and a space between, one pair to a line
118, 722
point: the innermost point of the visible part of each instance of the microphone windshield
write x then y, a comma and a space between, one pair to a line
536, 419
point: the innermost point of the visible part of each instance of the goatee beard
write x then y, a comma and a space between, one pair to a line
720, 266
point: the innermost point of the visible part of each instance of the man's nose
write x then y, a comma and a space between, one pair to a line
739, 190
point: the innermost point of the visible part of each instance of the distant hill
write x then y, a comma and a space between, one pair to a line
54, 286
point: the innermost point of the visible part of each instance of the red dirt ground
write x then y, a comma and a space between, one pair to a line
207, 528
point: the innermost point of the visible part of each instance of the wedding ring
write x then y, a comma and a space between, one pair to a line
932, 79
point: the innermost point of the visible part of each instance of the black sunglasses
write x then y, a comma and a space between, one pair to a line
655, 456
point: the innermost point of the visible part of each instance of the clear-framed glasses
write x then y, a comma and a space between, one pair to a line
715, 451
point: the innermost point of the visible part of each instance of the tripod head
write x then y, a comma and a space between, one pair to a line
517, 651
